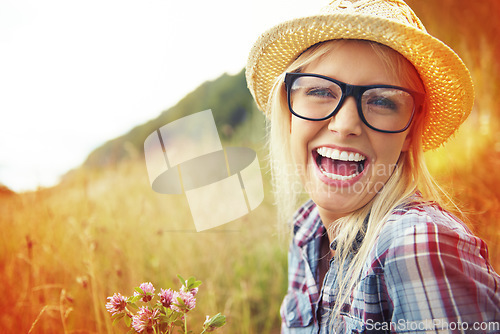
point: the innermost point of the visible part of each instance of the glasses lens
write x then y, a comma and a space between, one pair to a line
387, 109
313, 97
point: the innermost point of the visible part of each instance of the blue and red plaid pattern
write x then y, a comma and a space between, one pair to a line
427, 273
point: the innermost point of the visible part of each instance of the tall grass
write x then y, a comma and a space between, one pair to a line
466, 168
69, 248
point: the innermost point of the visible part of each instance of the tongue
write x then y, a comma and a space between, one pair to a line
339, 167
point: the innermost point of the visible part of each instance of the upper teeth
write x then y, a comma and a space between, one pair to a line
339, 155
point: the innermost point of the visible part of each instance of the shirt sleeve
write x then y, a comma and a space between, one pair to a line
439, 278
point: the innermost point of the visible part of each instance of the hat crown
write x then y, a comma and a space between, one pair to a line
394, 10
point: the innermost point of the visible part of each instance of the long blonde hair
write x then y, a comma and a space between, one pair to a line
410, 174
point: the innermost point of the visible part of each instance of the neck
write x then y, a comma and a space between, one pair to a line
329, 222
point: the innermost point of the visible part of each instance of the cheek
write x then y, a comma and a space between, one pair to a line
388, 151
301, 133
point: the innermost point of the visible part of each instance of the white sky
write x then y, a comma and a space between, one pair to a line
76, 73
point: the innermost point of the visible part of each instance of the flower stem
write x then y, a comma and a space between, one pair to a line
185, 324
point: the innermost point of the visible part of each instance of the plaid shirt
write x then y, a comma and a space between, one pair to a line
427, 273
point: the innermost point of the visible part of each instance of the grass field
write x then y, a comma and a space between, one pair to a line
67, 248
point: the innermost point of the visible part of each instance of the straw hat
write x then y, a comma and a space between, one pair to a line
447, 81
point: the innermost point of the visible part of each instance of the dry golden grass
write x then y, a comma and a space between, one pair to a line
466, 168
69, 248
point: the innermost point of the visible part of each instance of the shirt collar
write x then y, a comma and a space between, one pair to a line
356, 243
307, 224
358, 240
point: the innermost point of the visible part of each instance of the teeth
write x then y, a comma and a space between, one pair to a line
339, 155
337, 177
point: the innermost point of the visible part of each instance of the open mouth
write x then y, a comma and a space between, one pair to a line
339, 165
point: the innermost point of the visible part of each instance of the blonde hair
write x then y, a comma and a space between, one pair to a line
410, 174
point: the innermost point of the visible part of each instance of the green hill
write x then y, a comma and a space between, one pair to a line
235, 113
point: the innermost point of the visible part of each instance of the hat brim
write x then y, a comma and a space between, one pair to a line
447, 81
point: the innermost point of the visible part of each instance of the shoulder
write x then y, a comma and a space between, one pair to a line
429, 258
425, 232
425, 225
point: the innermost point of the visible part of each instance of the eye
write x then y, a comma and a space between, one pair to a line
381, 102
321, 93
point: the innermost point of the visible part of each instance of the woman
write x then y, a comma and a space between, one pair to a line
354, 96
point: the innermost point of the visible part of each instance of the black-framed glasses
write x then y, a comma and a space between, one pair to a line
383, 108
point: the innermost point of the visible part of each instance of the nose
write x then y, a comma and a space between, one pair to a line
346, 121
